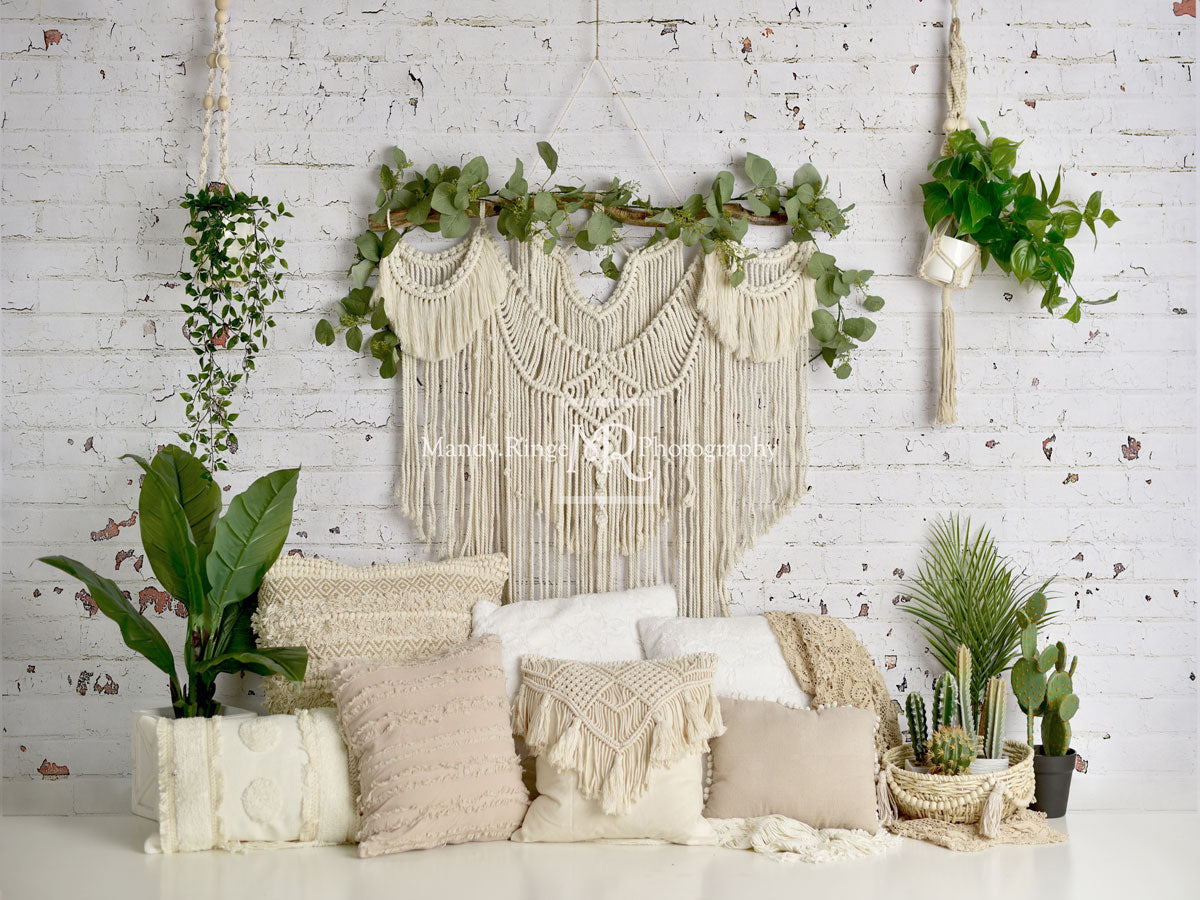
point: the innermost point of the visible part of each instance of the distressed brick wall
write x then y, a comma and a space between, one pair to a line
1076, 443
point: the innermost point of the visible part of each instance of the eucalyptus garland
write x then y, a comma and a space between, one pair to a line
444, 200
236, 268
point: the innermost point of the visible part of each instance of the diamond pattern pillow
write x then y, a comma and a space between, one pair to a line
386, 612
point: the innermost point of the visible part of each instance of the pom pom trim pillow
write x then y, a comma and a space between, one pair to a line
817, 766
434, 748
387, 612
593, 627
263, 782
751, 662
616, 731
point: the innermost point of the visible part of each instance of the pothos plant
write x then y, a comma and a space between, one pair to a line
444, 200
236, 268
1013, 217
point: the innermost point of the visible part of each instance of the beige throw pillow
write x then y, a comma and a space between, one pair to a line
815, 766
434, 749
617, 745
387, 612
670, 810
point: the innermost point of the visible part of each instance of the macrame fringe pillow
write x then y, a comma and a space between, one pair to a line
614, 723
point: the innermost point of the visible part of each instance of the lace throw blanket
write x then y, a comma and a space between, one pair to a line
830, 663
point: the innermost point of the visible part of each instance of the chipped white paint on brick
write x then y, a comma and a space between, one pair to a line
100, 120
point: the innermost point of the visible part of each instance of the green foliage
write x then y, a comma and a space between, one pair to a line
991, 722
236, 269
951, 750
918, 733
215, 563
945, 701
443, 200
964, 592
1016, 220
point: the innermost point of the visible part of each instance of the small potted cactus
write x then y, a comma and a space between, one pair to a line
1053, 699
945, 713
991, 729
951, 751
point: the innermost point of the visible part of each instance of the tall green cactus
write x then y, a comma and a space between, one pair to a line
991, 723
966, 706
945, 701
918, 736
1061, 704
1029, 672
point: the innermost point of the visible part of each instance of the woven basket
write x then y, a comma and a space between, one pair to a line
959, 798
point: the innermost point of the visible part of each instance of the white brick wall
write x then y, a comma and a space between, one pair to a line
100, 127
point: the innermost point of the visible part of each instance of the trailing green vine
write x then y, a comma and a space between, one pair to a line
445, 200
1023, 228
236, 268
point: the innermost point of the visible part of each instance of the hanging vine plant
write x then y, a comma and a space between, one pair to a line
444, 200
236, 268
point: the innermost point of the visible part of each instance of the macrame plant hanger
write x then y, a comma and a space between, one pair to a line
950, 262
218, 59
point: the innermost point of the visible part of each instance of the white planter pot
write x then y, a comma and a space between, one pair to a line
908, 764
144, 761
984, 766
949, 262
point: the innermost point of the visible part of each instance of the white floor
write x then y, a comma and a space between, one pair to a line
1139, 855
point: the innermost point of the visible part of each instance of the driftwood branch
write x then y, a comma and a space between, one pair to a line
629, 215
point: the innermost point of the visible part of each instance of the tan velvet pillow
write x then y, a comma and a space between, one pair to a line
815, 766
385, 612
434, 748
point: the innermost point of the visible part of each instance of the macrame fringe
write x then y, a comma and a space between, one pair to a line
759, 326
787, 840
616, 776
434, 321
947, 412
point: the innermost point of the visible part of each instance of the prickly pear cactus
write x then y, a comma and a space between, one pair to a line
918, 736
1029, 673
945, 701
951, 750
1060, 705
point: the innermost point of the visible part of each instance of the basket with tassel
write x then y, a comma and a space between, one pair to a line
985, 799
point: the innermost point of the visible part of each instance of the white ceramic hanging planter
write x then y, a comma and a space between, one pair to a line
949, 261
144, 756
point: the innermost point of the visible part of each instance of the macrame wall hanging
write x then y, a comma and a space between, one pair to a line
652, 438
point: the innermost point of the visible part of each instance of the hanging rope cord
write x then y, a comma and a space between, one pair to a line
596, 60
956, 119
218, 59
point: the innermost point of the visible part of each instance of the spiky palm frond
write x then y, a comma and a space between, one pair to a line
965, 592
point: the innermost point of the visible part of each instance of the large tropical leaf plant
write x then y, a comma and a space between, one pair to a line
965, 592
213, 563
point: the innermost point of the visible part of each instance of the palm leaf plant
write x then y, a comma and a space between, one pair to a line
213, 564
966, 593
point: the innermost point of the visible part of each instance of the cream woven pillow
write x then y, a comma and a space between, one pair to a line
387, 612
815, 766
614, 729
434, 749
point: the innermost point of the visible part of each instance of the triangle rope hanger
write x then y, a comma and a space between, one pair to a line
616, 92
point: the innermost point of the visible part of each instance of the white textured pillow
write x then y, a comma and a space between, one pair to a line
589, 627
751, 664
265, 781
